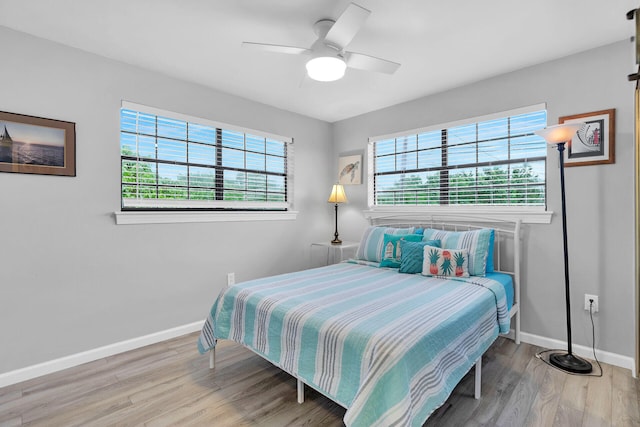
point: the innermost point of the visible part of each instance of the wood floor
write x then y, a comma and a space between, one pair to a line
170, 384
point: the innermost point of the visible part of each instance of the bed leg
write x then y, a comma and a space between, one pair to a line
300, 391
212, 358
478, 378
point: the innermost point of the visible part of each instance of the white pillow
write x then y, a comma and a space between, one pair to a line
445, 262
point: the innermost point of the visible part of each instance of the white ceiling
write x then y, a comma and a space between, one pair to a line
440, 44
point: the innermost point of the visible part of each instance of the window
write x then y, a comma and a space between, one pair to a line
493, 160
174, 162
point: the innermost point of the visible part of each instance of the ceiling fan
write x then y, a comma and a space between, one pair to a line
329, 59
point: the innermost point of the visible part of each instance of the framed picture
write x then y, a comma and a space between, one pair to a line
350, 170
594, 143
36, 145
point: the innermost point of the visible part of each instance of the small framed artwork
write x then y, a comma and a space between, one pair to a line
37, 145
350, 170
594, 143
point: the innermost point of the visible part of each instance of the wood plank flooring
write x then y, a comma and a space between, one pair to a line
170, 384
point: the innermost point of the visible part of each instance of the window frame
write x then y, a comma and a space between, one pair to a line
157, 210
524, 213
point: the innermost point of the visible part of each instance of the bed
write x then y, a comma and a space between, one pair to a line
386, 344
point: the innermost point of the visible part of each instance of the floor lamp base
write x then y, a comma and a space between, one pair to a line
570, 363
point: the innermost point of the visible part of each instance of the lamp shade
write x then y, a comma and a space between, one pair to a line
337, 194
326, 68
559, 133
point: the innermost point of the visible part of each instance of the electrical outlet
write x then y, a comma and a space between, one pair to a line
231, 279
587, 302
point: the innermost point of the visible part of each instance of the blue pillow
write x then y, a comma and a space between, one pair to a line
475, 241
412, 255
391, 250
370, 248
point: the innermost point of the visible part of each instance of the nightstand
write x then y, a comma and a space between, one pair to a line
337, 253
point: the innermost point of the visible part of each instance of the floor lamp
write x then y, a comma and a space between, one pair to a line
559, 135
337, 196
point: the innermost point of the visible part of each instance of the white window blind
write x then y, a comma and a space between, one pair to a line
492, 160
171, 161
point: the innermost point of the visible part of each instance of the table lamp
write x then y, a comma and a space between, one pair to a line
337, 196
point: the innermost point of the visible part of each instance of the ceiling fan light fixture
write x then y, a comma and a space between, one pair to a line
326, 68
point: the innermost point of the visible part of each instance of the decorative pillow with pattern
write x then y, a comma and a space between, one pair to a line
476, 242
413, 255
445, 262
370, 248
391, 250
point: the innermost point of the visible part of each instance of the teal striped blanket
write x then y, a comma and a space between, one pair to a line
389, 347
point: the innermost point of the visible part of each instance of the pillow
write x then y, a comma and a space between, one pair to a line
370, 248
391, 251
492, 239
476, 242
413, 255
445, 262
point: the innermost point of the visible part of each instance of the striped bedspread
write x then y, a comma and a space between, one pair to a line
389, 347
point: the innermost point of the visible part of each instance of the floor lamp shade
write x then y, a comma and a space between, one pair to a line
559, 135
337, 196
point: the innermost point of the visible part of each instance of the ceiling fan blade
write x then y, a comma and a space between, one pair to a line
276, 48
361, 61
347, 25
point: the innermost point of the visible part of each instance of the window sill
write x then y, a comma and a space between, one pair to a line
507, 213
126, 218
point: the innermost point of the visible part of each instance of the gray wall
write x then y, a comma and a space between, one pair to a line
70, 279
600, 210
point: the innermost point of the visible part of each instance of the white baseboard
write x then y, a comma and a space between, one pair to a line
24, 374
581, 350
29, 372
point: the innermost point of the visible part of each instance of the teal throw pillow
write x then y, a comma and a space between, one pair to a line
391, 251
413, 255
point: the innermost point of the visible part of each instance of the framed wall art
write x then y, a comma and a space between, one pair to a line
350, 170
594, 143
37, 145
